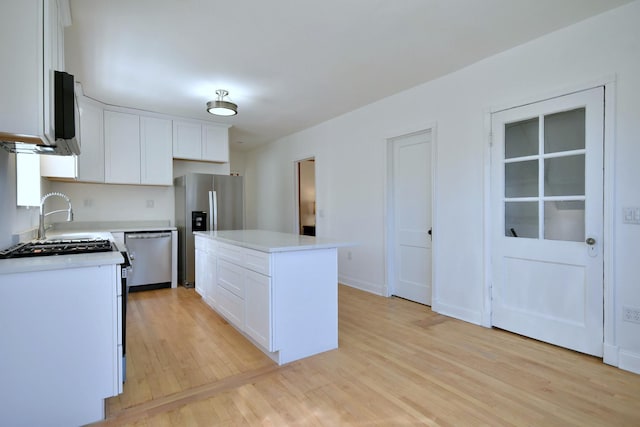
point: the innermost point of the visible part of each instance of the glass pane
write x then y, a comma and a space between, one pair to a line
521, 219
564, 220
521, 179
521, 138
564, 176
564, 131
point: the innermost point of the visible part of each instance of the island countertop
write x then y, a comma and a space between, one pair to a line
271, 241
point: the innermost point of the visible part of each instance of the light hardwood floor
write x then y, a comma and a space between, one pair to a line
398, 364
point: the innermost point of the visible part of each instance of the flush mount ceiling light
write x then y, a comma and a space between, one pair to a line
220, 107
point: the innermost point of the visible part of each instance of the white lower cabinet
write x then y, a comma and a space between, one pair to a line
257, 300
227, 279
205, 275
231, 306
210, 285
231, 277
62, 345
201, 270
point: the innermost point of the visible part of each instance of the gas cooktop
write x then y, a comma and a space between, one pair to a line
58, 247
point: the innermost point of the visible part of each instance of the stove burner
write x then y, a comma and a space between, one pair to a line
58, 247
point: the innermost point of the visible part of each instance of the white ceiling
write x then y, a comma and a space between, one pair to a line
290, 64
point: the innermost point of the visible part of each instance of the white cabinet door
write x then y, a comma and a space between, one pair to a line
257, 299
156, 151
211, 279
187, 140
72, 315
53, 59
122, 148
91, 159
201, 271
215, 143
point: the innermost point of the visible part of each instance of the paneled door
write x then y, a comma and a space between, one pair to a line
547, 214
411, 212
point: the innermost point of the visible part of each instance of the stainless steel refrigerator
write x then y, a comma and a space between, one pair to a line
204, 202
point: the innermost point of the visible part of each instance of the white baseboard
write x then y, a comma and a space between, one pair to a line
363, 286
629, 361
457, 312
623, 359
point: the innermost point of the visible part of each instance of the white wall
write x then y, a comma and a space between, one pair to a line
350, 154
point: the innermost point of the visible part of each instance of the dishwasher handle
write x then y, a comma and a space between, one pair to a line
148, 235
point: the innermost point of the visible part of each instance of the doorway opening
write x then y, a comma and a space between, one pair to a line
306, 171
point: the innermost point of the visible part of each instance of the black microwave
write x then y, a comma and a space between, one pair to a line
64, 99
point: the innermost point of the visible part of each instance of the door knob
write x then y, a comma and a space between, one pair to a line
590, 241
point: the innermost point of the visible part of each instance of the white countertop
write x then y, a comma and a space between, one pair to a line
59, 262
271, 241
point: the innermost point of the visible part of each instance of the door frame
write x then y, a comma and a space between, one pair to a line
389, 236
610, 349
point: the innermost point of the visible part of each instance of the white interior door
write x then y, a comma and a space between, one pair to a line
547, 200
411, 194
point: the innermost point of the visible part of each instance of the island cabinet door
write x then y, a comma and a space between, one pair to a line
257, 300
211, 283
201, 272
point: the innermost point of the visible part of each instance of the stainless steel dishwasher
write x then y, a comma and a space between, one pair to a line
150, 254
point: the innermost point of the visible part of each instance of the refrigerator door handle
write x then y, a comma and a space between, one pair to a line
213, 208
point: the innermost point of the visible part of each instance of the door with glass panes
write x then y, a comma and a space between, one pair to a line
547, 213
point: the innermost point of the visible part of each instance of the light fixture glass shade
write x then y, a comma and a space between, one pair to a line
220, 107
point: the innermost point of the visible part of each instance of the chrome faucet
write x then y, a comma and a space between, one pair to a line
69, 211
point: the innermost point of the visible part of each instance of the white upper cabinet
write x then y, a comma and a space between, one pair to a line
187, 140
137, 149
156, 163
34, 48
198, 141
121, 148
215, 143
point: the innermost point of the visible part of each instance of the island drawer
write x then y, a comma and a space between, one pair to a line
230, 253
257, 261
231, 277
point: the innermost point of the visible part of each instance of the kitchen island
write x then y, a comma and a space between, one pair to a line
279, 290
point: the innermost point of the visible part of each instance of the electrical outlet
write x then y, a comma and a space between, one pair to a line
631, 314
150, 203
631, 215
